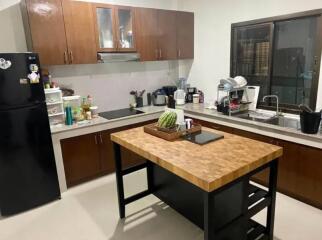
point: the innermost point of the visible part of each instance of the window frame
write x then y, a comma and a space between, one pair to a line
291, 108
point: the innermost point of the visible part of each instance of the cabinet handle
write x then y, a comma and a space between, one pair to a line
156, 53
65, 57
101, 139
179, 53
95, 137
71, 57
160, 53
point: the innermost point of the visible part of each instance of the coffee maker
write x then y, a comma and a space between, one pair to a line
189, 95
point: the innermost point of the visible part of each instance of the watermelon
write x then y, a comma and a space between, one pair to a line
167, 120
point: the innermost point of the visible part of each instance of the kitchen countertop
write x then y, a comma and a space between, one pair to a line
199, 111
284, 133
209, 166
100, 120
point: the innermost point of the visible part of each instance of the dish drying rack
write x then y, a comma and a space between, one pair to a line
232, 94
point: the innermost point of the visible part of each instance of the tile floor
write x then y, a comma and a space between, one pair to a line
90, 212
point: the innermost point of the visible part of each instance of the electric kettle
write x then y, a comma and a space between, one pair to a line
180, 97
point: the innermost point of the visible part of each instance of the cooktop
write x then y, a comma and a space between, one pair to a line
119, 113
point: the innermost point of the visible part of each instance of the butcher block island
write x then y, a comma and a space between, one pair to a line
208, 184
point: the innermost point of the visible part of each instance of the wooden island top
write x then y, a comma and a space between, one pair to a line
210, 166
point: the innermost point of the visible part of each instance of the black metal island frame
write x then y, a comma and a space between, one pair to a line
217, 196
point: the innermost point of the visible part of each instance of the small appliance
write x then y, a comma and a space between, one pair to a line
180, 97
169, 90
190, 92
159, 98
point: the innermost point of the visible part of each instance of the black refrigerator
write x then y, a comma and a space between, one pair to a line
28, 175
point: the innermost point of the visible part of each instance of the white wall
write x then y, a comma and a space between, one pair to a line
213, 19
109, 84
12, 37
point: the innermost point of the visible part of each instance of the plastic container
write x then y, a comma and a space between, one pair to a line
310, 122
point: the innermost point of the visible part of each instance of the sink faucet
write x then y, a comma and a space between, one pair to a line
277, 103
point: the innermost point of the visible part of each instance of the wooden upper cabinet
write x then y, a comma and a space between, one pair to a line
114, 28
79, 24
45, 30
146, 20
167, 38
185, 35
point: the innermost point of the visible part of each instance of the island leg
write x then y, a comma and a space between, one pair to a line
209, 225
272, 192
119, 179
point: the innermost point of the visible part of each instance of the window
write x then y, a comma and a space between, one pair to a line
282, 56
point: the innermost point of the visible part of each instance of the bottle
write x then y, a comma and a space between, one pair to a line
85, 106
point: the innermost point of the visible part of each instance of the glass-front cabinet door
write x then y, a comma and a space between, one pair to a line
251, 55
105, 30
125, 28
114, 28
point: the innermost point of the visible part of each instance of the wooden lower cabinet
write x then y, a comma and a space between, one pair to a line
300, 167
90, 156
214, 126
81, 158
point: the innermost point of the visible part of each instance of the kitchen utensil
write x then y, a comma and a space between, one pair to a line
189, 122
196, 98
159, 98
180, 97
139, 101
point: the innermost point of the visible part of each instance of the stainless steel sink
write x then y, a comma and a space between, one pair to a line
282, 121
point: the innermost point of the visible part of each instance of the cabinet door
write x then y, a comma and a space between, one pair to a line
81, 158
300, 173
185, 35
47, 31
106, 152
213, 126
105, 33
129, 158
263, 176
167, 39
125, 29
79, 23
146, 20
